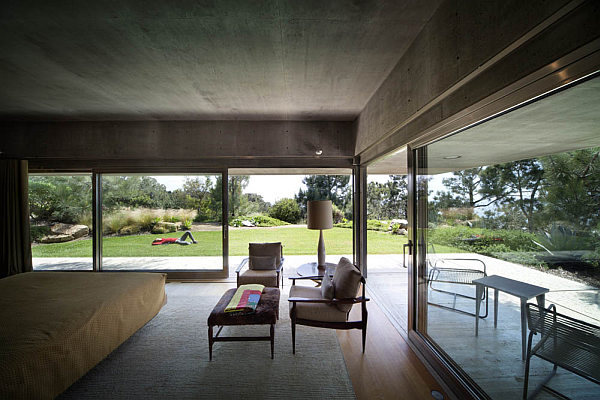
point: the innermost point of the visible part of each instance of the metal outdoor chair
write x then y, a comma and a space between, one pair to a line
566, 342
440, 272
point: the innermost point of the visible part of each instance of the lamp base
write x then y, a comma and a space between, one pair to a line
321, 251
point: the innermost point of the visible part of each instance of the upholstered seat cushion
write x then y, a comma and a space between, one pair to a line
315, 311
267, 310
261, 276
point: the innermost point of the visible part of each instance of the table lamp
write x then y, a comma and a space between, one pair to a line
320, 216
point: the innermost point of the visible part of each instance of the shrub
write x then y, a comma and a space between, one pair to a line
286, 210
376, 225
483, 241
458, 214
85, 219
338, 215
114, 222
129, 230
38, 232
146, 221
257, 220
171, 218
186, 224
344, 224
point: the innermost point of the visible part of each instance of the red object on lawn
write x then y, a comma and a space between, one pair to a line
164, 241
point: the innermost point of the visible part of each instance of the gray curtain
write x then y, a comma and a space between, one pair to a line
15, 246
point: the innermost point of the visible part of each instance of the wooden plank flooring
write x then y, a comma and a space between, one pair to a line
389, 368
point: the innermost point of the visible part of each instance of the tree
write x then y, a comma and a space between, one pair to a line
60, 198
286, 210
235, 188
198, 192
466, 184
387, 200
255, 204
517, 183
237, 184
572, 187
325, 187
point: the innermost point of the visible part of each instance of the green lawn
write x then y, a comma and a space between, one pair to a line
296, 241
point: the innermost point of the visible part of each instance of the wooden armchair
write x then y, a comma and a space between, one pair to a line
313, 306
265, 265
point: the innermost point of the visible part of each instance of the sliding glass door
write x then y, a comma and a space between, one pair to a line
511, 203
162, 222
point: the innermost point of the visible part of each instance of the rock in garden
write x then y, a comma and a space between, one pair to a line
402, 223
56, 238
76, 231
247, 223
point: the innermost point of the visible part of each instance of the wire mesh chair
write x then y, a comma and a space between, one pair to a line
440, 272
566, 342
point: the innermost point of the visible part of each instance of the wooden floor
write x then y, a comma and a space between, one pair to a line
389, 369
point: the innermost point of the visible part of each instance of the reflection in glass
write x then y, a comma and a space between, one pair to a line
517, 207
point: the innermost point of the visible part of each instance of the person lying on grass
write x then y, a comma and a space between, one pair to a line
182, 240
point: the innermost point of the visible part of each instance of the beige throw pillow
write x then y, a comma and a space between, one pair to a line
327, 290
346, 281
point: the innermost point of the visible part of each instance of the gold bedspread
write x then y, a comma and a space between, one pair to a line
55, 326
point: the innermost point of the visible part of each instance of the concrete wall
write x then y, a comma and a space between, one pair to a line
212, 143
429, 84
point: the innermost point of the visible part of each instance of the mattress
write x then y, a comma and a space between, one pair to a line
55, 326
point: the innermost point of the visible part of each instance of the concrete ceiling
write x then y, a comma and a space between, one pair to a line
567, 120
200, 60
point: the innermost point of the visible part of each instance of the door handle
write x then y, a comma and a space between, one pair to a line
409, 245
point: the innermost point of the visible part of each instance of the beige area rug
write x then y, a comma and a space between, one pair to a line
168, 358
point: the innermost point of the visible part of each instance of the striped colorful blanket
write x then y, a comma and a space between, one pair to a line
245, 299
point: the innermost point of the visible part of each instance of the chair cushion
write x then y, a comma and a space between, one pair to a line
262, 262
266, 249
346, 281
264, 277
327, 291
315, 311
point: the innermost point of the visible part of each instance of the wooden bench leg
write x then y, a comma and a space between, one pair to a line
272, 340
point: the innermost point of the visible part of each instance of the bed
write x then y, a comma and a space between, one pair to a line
55, 326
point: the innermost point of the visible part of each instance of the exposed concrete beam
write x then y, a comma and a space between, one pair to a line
236, 143
435, 79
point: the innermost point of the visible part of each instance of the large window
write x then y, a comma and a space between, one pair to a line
60, 208
269, 207
515, 198
163, 222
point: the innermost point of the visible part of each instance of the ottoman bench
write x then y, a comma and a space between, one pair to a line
266, 313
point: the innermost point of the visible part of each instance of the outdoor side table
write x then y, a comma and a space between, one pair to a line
522, 290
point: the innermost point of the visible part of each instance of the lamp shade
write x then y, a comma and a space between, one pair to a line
319, 214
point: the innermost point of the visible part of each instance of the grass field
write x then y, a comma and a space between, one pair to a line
296, 241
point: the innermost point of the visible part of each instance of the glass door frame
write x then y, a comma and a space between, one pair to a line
171, 275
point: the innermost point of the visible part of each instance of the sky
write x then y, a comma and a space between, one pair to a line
276, 187
271, 187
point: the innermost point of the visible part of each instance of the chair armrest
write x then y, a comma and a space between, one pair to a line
316, 277
328, 301
242, 264
280, 266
